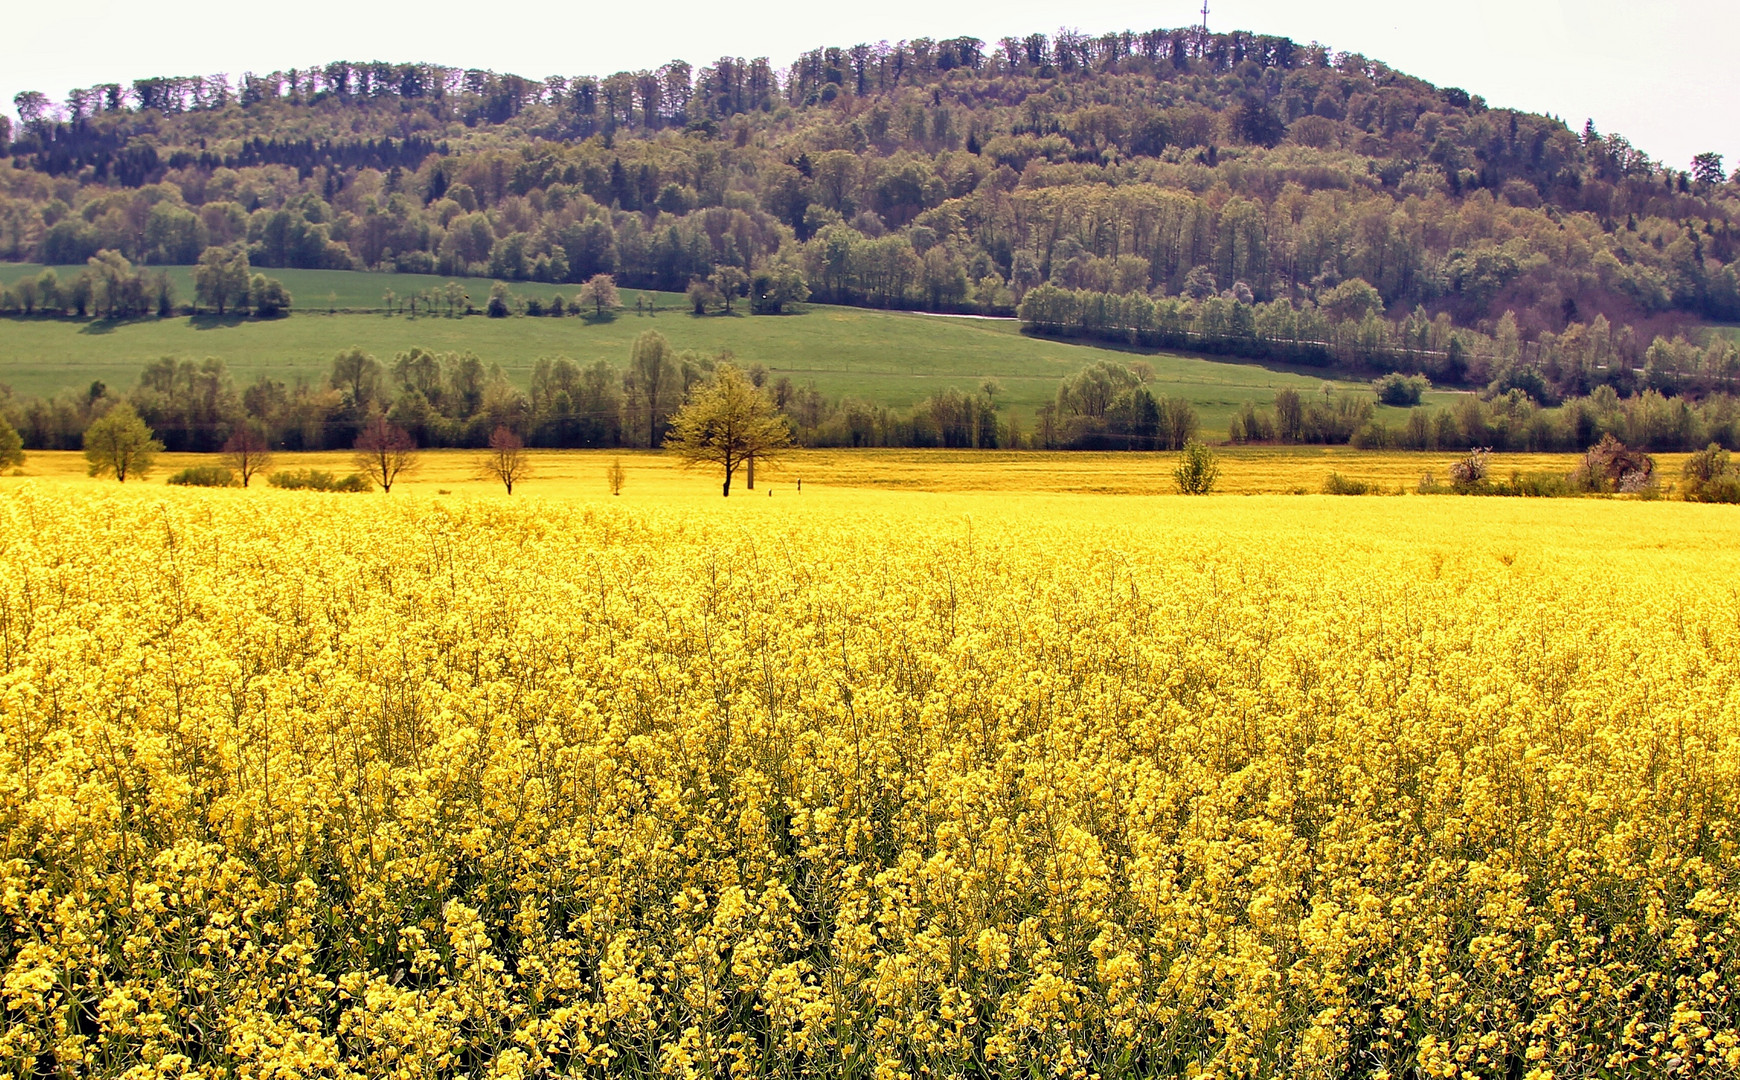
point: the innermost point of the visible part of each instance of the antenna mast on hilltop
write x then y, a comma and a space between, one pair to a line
1204, 18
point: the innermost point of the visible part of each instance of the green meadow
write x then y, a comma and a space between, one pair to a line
889, 358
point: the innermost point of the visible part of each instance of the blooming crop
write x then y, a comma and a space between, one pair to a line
300, 786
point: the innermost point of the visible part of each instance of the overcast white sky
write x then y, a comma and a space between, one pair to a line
1663, 72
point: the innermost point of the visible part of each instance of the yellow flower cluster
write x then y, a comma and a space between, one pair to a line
295, 786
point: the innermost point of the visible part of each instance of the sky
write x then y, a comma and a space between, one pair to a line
1661, 72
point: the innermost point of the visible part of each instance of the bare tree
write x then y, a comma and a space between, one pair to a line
246, 452
384, 452
506, 459
615, 475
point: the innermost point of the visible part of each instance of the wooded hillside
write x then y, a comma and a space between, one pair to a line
952, 175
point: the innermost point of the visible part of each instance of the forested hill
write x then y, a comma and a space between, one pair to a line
954, 175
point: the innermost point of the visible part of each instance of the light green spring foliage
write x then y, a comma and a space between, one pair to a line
11, 446
119, 444
1197, 471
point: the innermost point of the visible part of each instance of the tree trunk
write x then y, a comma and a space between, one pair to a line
727, 485
749, 481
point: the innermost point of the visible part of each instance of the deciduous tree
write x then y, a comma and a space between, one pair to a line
268, 296
653, 379
11, 446
384, 452
599, 293
726, 423
506, 460
119, 444
247, 453
356, 375
775, 287
728, 282
221, 280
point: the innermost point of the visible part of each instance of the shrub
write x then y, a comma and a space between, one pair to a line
1401, 390
1338, 484
1710, 476
1723, 489
1198, 469
204, 476
1610, 465
1520, 485
268, 296
352, 482
1537, 486
317, 480
1469, 471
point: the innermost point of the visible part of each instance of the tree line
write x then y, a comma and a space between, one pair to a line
1347, 330
952, 175
456, 399
111, 287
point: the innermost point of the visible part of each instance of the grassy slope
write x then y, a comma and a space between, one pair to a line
891, 358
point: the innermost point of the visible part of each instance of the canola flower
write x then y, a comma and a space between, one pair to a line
295, 786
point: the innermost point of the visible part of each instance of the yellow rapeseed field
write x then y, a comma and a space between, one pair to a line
865, 784
1245, 470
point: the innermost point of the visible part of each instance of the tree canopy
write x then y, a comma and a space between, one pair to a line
726, 423
119, 444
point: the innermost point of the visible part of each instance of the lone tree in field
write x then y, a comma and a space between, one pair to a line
599, 293
384, 452
728, 282
615, 476
120, 445
506, 460
1197, 470
726, 423
246, 452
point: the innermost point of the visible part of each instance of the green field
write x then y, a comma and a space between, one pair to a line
891, 358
